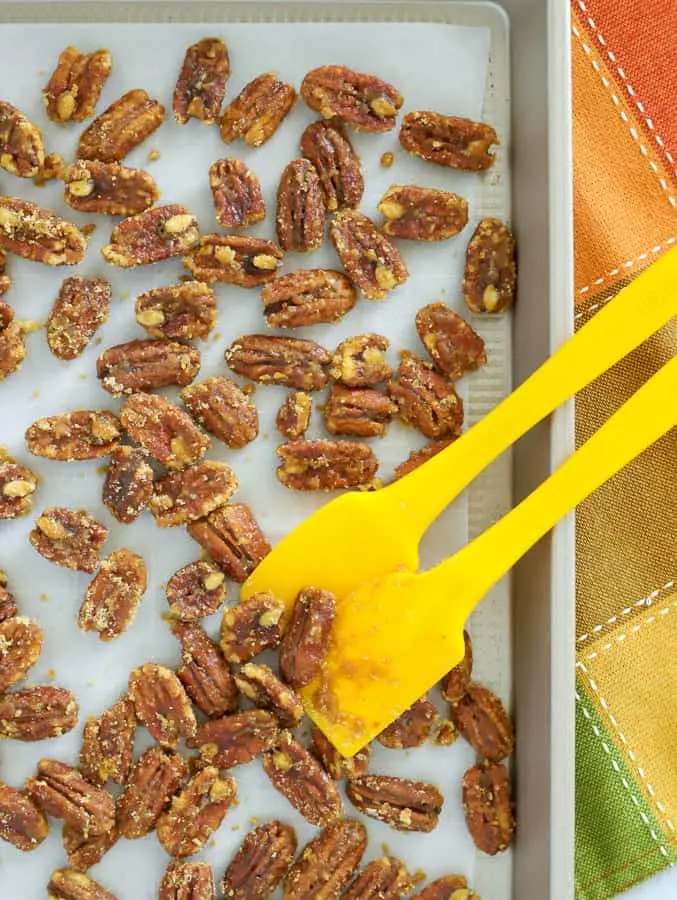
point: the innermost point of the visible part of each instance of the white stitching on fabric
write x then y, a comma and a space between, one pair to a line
644, 601
612, 274
621, 637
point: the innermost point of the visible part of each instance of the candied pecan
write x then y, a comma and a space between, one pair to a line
445, 734
365, 102
161, 704
369, 257
8, 605
258, 110
82, 434
69, 537
21, 149
74, 89
422, 214
223, 409
201, 85
12, 343
64, 794
79, 311
187, 881
22, 823
403, 804
452, 344
448, 140
455, 683
412, 728
108, 188
490, 268
37, 713
233, 538
306, 639
113, 595
338, 166
153, 781
488, 807
307, 297
482, 720
204, 672
335, 765
268, 359
449, 887
293, 417
168, 433
127, 122
17, 486
236, 739
262, 686
5, 285
360, 412
20, 646
193, 493
327, 863
385, 878
108, 744
38, 234
417, 457
146, 365
129, 483
360, 361
84, 852
67, 884
236, 190
196, 812
234, 259
426, 399
251, 627
178, 311
148, 237
300, 208
325, 465
196, 590
261, 862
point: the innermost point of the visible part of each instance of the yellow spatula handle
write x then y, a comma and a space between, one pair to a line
638, 311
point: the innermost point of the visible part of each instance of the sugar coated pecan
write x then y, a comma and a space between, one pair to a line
21, 149
417, 457
327, 864
236, 739
488, 807
481, 719
20, 646
196, 812
223, 409
167, 432
300, 208
196, 590
158, 233
37, 713
325, 465
113, 595
426, 399
178, 311
233, 538
261, 862
490, 268
335, 765
306, 639
455, 683
146, 365
39, 234
69, 537
258, 110
108, 188
108, 744
359, 412
385, 878
338, 166
79, 311
67, 884
360, 361
453, 345
365, 102
73, 90
161, 704
22, 823
403, 804
448, 140
85, 852
296, 774
204, 672
152, 783
17, 486
307, 297
369, 257
268, 359
127, 122
201, 85
445, 734
422, 214
236, 190
262, 686
234, 259
449, 887
12, 343
64, 794
192, 493
187, 881
293, 417
82, 434
251, 627
128, 485
412, 728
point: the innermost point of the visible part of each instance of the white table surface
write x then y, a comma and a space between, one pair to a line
660, 887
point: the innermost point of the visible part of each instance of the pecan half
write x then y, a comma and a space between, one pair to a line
152, 783
17, 486
233, 538
75, 86
108, 744
452, 344
417, 457
306, 639
258, 110
251, 627
37, 713
167, 432
67, 884
38, 234
201, 85
64, 794
335, 765
360, 412
146, 365
156, 234
369, 257
196, 590
360, 361
108, 188
127, 122
448, 140
223, 409
325, 465
12, 340
307, 297
300, 208
449, 887
481, 719
69, 537
268, 359
20, 646
192, 493
21, 149
234, 259
327, 863
488, 807
338, 166
22, 823
128, 485
187, 881
196, 812
426, 399
236, 190
236, 739
490, 268
204, 672
178, 311
422, 214
262, 686
385, 878
261, 862
79, 311
403, 804
455, 683
161, 704
365, 102
293, 417
82, 434
113, 595
85, 852
412, 728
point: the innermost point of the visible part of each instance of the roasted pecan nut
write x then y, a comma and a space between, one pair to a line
128, 486
38, 234
261, 862
85, 852
293, 417
335, 765
325, 465
306, 639
360, 361
234, 259
20, 646
201, 85
74, 89
338, 166
417, 457
488, 807
79, 311
327, 863
237, 739
412, 728
422, 214
196, 590
448, 140
22, 823
196, 812
108, 188
426, 399
67, 884
236, 190
37, 713
161, 704
385, 878
82, 434
223, 409
152, 783
307, 297
64, 794
187, 881
192, 493
204, 672
17, 486
258, 110
455, 683
69, 537
12, 343
113, 595
490, 268
365, 102
158, 233
262, 686
449, 887
251, 627
127, 122
21, 149
369, 257
268, 359
233, 538
108, 744
300, 208
359, 412
403, 804
296, 774
178, 311
481, 719
167, 432
146, 365
452, 344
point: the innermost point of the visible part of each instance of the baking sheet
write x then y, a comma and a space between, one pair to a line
439, 67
